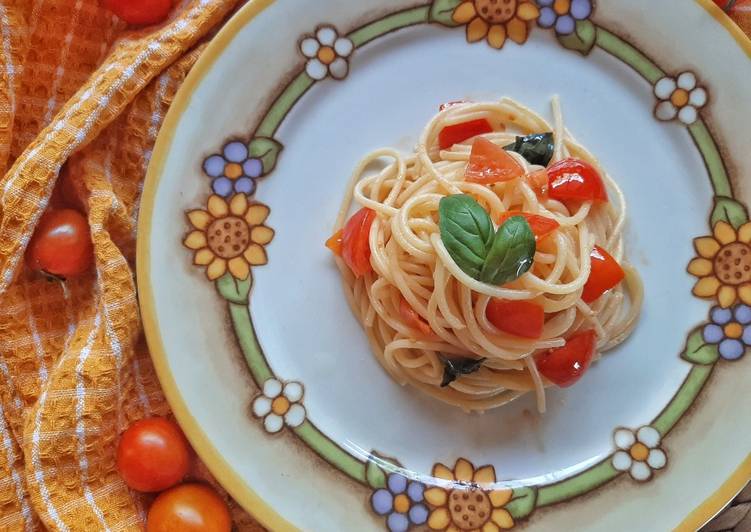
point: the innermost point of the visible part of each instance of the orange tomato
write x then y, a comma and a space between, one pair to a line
413, 319
189, 508
153, 455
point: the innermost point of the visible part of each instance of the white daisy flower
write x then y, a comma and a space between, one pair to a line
327, 54
681, 97
639, 452
279, 405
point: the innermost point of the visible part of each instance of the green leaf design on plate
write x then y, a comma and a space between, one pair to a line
583, 38
442, 12
466, 231
378, 468
234, 290
729, 210
511, 254
699, 352
267, 150
522, 502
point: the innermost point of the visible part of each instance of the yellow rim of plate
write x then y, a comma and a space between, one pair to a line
227, 477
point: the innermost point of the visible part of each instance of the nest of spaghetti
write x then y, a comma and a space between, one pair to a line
490, 262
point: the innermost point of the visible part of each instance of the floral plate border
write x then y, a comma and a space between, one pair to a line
638, 448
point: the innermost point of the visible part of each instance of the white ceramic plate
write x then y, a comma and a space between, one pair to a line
271, 376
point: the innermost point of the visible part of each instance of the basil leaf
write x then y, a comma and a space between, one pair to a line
511, 254
537, 148
454, 367
466, 231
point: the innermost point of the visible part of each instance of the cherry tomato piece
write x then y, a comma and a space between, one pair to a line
462, 131
538, 180
153, 455
413, 319
140, 12
520, 318
334, 243
355, 241
61, 244
574, 179
489, 163
605, 274
541, 226
189, 508
566, 365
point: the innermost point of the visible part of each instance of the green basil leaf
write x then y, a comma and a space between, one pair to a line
511, 254
537, 148
454, 367
466, 231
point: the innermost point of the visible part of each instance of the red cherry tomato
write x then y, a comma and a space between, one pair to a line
538, 180
334, 243
413, 319
541, 226
61, 244
462, 131
489, 163
153, 455
574, 179
520, 318
605, 274
189, 508
355, 241
140, 12
566, 365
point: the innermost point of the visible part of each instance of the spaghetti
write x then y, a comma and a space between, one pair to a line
423, 312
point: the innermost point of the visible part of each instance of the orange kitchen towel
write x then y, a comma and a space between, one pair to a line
83, 95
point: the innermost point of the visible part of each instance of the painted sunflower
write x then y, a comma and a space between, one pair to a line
496, 20
229, 236
724, 264
468, 502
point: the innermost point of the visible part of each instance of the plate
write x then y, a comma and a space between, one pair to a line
271, 376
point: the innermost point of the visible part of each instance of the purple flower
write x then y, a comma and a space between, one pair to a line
233, 171
730, 330
563, 14
401, 501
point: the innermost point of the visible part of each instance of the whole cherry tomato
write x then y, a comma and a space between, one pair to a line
153, 455
61, 244
574, 179
356, 241
140, 12
189, 508
566, 365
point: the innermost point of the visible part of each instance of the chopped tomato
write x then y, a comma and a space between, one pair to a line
452, 103
335, 243
462, 131
574, 179
355, 241
605, 274
520, 318
538, 180
489, 163
413, 319
540, 225
566, 365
